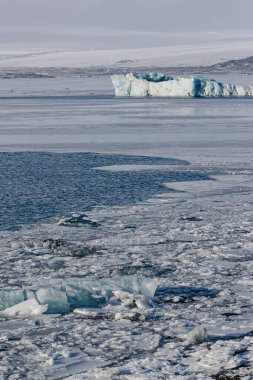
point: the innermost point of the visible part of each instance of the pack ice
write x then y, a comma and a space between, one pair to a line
156, 84
64, 296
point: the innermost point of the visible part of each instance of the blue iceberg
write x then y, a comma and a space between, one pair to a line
65, 296
160, 85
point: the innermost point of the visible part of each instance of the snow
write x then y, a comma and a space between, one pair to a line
159, 85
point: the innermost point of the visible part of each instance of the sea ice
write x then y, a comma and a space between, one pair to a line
65, 296
155, 84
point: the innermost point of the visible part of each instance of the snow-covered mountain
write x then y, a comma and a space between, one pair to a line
198, 54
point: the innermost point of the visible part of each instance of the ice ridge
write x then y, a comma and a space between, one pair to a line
160, 85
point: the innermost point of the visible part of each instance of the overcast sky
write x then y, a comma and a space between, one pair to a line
105, 24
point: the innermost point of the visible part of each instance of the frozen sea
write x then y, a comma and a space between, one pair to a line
166, 188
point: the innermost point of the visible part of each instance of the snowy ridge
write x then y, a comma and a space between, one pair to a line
156, 84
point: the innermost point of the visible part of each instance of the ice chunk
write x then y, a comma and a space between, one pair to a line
155, 84
77, 220
56, 300
64, 296
92, 313
197, 335
132, 300
24, 309
12, 297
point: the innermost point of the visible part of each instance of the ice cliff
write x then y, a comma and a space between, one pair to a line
155, 84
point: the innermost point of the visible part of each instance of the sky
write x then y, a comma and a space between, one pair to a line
113, 24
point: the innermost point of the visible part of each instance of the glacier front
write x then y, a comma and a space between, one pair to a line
160, 85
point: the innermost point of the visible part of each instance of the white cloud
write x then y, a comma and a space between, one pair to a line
107, 23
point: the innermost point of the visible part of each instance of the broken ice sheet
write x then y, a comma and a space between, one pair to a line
65, 296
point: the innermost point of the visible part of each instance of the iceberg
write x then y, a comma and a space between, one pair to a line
64, 296
160, 85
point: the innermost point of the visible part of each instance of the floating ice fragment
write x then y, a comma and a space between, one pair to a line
77, 220
197, 335
132, 300
15, 245
132, 316
58, 247
61, 247
25, 309
155, 84
122, 305
95, 313
116, 313
65, 296
143, 303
